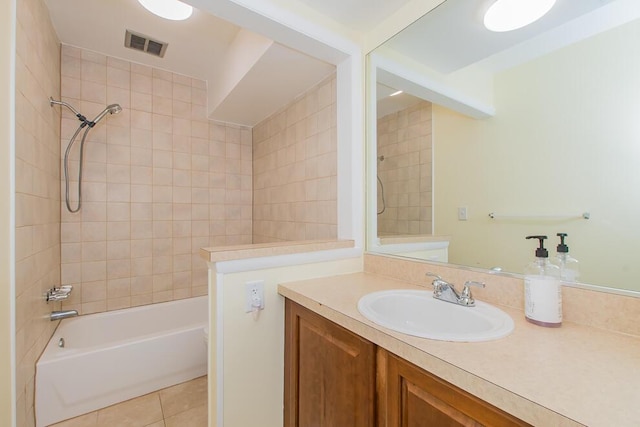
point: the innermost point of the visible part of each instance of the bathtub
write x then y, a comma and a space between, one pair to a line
114, 356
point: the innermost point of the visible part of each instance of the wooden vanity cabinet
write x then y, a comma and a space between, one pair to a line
335, 378
409, 396
329, 373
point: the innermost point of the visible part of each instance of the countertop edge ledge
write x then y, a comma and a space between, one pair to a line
232, 253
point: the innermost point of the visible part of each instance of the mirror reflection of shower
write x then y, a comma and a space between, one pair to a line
403, 130
86, 125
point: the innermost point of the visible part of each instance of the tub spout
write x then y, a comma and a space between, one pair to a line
59, 315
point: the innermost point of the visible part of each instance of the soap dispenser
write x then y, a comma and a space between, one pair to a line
568, 265
542, 290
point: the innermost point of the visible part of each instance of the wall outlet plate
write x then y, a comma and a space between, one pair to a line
462, 213
254, 295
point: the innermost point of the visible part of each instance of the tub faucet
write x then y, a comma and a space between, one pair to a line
445, 291
59, 315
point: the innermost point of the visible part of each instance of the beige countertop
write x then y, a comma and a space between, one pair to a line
232, 253
569, 376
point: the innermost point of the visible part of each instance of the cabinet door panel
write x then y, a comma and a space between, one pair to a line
416, 398
330, 373
422, 409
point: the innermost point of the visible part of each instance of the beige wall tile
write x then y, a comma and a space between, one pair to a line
146, 191
292, 150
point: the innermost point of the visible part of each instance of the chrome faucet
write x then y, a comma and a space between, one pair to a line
60, 294
59, 315
445, 291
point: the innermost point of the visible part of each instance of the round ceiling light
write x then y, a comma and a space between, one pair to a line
507, 15
168, 9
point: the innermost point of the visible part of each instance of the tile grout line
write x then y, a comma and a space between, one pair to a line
164, 419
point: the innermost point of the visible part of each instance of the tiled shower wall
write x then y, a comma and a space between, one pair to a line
160, 181
295, 169
404, 139
37, 216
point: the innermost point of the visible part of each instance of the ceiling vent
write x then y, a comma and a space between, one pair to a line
143, 43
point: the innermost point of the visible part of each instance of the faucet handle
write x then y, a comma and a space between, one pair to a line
58, 294
474, 283
438, 281
439, 284
465, 296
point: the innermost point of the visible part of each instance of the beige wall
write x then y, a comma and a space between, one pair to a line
37, 248
564, 140
160, 181
7, 46
404, 139
295, 169
253, 350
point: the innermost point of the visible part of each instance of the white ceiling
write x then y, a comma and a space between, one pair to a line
453, 45
361, 15
260, 92
447, 39
99, 25
452, 36
197, 47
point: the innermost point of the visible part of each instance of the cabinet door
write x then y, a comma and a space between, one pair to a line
412, 397
329, 373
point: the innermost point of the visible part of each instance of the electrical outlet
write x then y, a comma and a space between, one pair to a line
254, 295
462, 213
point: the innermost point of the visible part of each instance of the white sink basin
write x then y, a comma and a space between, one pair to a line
417, 313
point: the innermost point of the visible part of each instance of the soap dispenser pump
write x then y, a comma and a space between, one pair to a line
568, 265
542, 290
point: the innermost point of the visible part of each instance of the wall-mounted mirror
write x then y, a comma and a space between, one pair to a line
529, 132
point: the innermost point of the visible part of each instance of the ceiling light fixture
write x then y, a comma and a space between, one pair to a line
168, 9
507, 15
396, 93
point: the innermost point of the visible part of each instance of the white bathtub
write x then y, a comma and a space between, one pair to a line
114, 356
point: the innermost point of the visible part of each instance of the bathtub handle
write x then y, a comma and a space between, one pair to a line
59, 294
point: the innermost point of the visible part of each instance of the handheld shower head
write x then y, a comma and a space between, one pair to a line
114, 108
86, 125
111, 109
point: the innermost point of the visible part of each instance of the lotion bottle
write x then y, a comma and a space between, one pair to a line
568, 265
542, 290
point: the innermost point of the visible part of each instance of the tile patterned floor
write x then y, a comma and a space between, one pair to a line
183, 405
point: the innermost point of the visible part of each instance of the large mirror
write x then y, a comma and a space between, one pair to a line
535, 131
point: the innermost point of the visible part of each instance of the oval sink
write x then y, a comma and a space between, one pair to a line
417, 313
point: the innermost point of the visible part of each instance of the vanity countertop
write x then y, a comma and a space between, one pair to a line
569, 376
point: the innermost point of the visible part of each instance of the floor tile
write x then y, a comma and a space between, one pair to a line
182, 405
194, 417
86, 420
183, 397
137, 412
